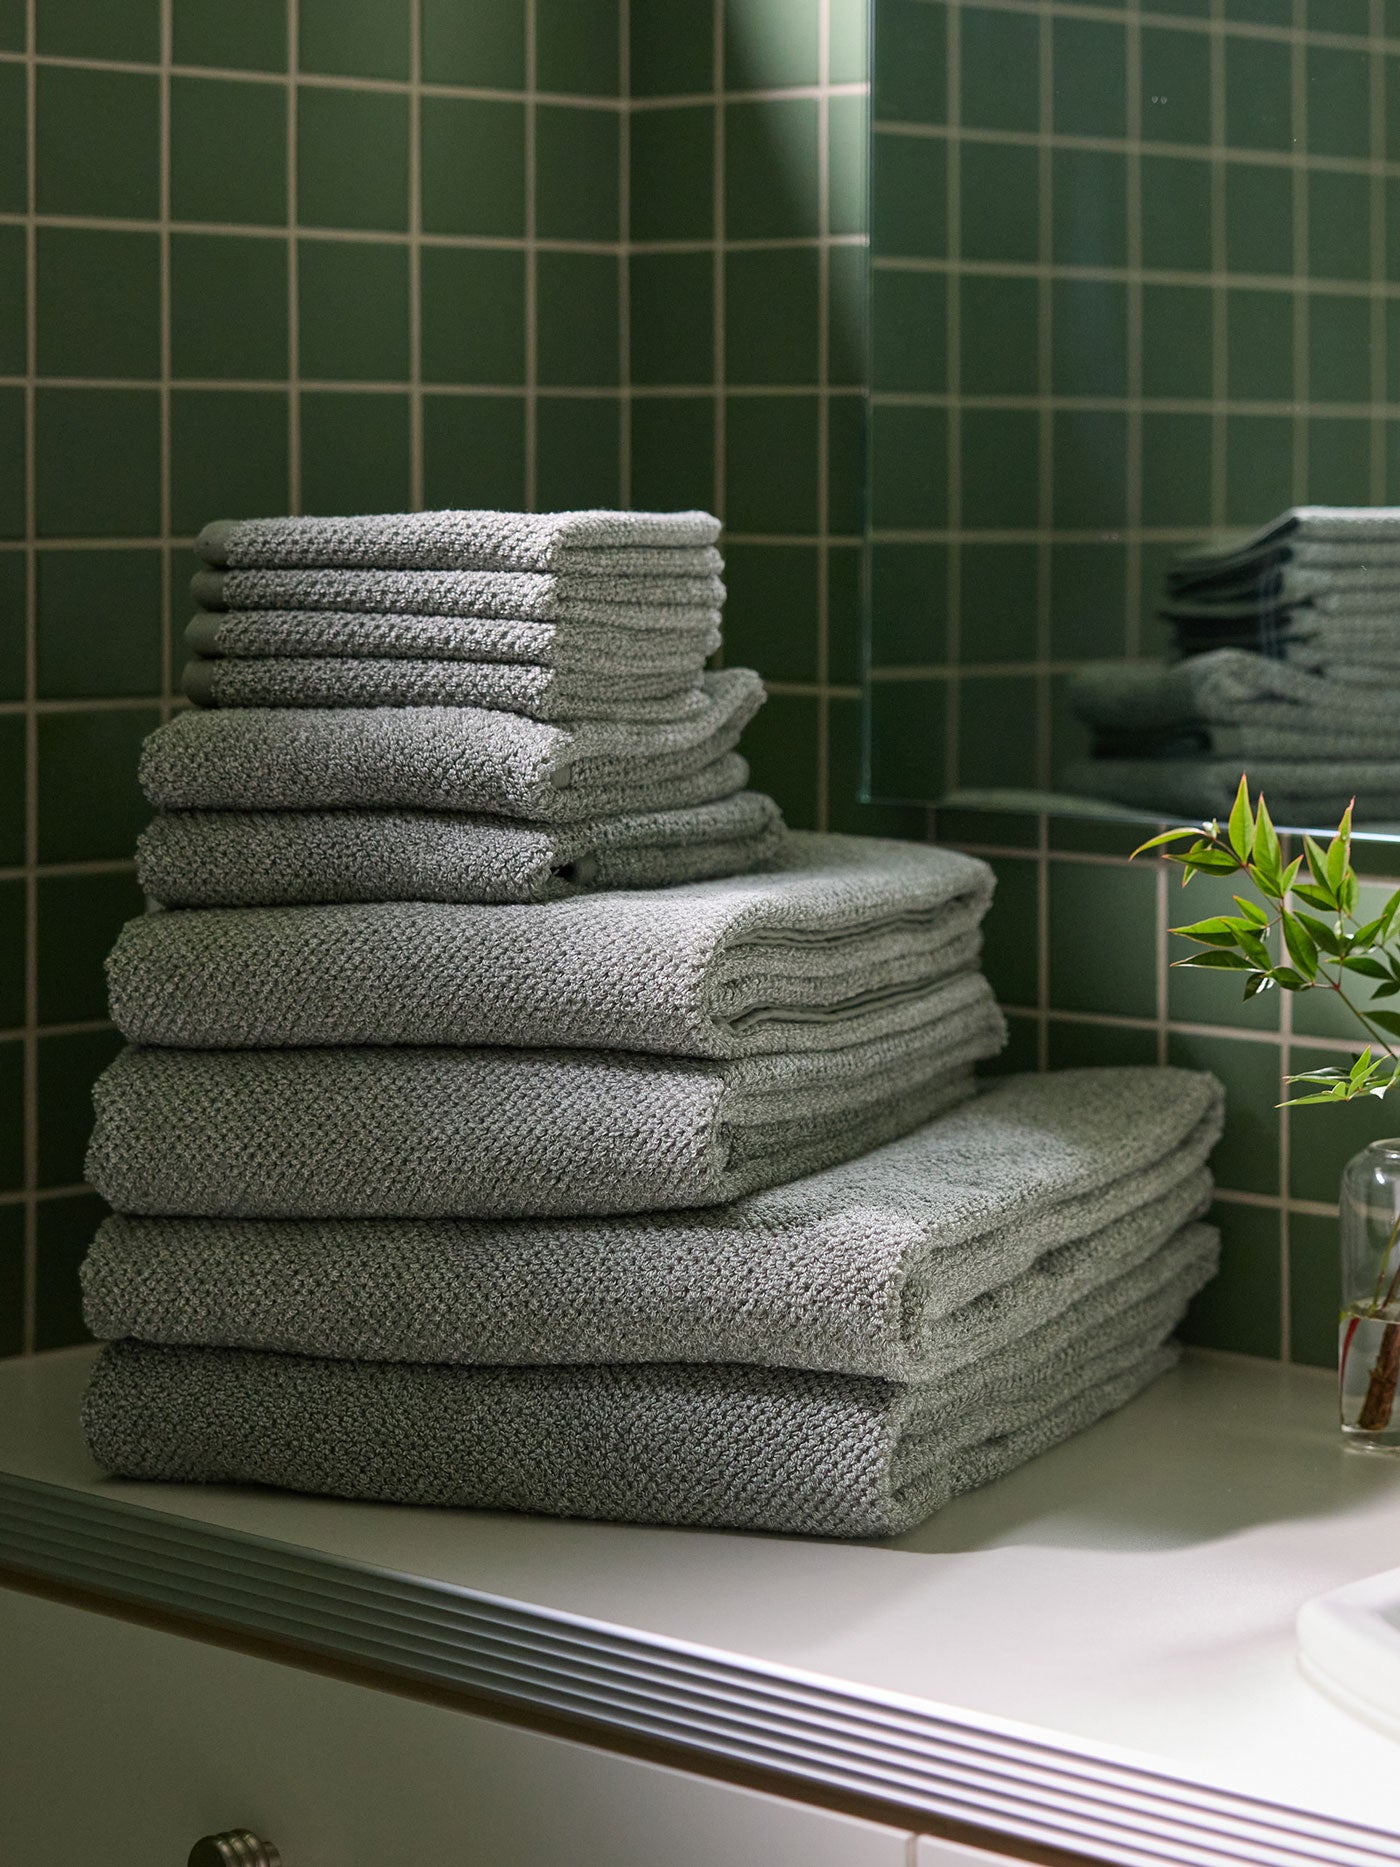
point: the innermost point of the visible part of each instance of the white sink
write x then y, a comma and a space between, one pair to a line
1349, 1648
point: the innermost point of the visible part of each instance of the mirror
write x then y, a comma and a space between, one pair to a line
1134, 286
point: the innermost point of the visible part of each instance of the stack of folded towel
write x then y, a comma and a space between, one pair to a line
1289, 669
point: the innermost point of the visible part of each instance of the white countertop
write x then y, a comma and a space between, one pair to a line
1129, 1598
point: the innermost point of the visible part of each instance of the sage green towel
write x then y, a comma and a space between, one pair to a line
613, 601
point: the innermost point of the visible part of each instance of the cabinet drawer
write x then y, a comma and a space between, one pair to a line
120, 1745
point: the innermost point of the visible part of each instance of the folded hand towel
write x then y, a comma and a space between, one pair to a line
909, 1263
611, 600
516, 541
755, 1448
538, 693
446, 1133
231, 858
446, 758
1304, 796
839, 943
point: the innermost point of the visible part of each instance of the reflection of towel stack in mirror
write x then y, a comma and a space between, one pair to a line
1289, 669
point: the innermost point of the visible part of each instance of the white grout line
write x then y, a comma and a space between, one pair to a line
719, 233
823, 776
294, 473
1379, 384
1133, 476
532, 285
30, 1118
1044, 399
952, 703
624, 259
1301, 268
415, 256
1219, 255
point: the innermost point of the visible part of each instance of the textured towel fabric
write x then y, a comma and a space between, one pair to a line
1308, 796
754, 1448
446, 758
613, 601
454, 540
914, 1261
230, 858
448, 1133
843, 941
626, 660
538, 693
1311, 537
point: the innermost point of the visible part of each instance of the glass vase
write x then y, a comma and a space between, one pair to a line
1369, 1346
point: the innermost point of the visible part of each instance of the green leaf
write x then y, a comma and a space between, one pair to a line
1367, 967
1389, 1021
1217, 931
1361, 1067
1387, 991
1254, 949
1339, 1094
1256, 983
1326, 936
1339, 850
1242, 823
1317, 862
1365, 936
1167, 836
1252, 911
1350, 892
1388, 914
1222, 962
1290, 874
1290, 980
1267, 856
1316, 898
1300, 944
1210, 862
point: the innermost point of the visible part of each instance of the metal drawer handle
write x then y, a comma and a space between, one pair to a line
237, 1848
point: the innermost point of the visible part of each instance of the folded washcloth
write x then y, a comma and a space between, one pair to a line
447, 758
840, 942
754, 1448
233, 858
1328, 538
1305, 796
449, 1133
513, 541
538, 693
912, 1262
611, 599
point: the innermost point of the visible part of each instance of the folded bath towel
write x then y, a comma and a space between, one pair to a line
446, 758
513, 541
448, 1133
538, 693
912, 1262
755, 1448
1304, 796
612, 600
840, 942
232, 858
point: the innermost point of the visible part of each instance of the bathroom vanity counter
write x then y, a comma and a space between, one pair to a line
1095, 1654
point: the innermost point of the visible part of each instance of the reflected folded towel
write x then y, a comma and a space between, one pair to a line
1361, 540
839, 943
632, 542
613, 600
1305, 796
453, 1133
756, 1448
446, 758
231, 858
912, 1262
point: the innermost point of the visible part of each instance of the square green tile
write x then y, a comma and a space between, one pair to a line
1000, 469
228, 455
770, 615
847, 810
80, 917
1069, 742
228, 306
90, 805
1339, 461
97, 142
12, 470
671, 49
1000, 57
228, 152
1099, 1046
845, 466
474, 452
473, 314
1089, 332
14, 142
1314, 1290
1258, 218
771, 306
845, 605
999, 350
909, 197
66, 1228
12, 954
782, 749
578, 453
769, 45
1088, 601
128, 34
910, 332
11, 1250
847, 166
69, 1065
761, 431
578, 319
249, 37
354, 38
1103, 940
577, 48
1090, 208
672, 318
98, 624
473, 166
1089, 458
1258, 94
911, 62
771, 169
1258, 468
1091, 84
672, 173
908, 740
988, 753
1010, 940
1260, 346
999, 190
1352, 16
908, 468
1392, 462
1175, 86
1338, 85
12, 789
577, 152
1021, 1053
97, 302
352, 160
1246, 1158
1176, 470
354, 452
14, 316
370, 346
13, 582
1391, 84
848, 270
1176, 217
97, 462
1177, 341
482, 45
673, 454
1339, 349
13, 25
1241, 1308
908, 604
1339, 225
